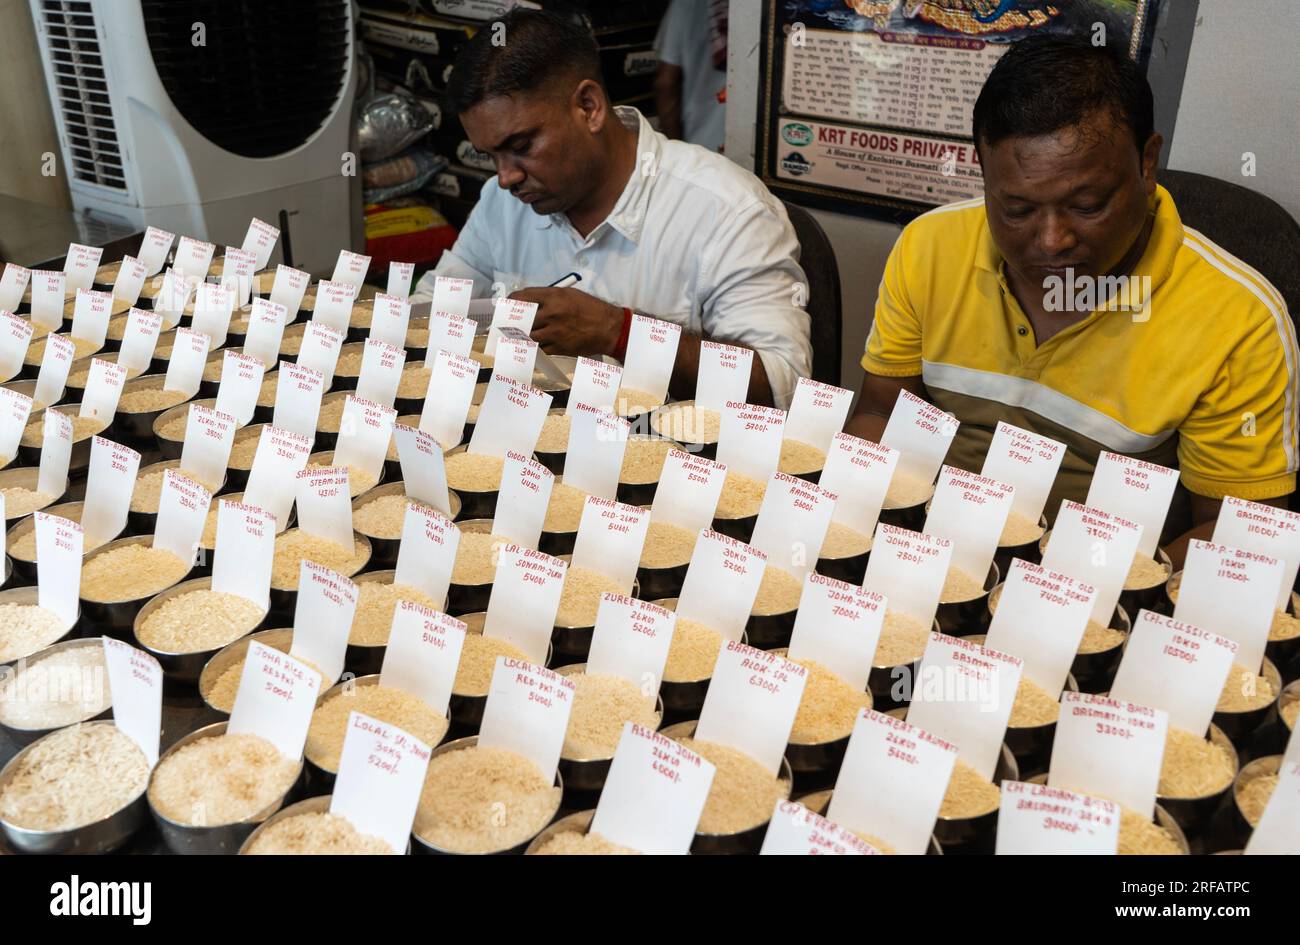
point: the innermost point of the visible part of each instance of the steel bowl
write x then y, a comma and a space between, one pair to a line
572, 644
642, 493
553, 460
1026, 551
474, 503
749, 840
146, 523
819, 759
23, 568
222, 838
906, 516
819, 802
683, 699
6, 571
1239, 726
328, 439
658, 583
1241, 827
348, 382
850, 568
420, 845
770, 631
1162, 818
101, 836
27, 477
25, 736
136, 428
977, 834
589, 773
278, 639
182, 667
741, 529
208, 388
1151, 598
79, 458
312, 805
573, 823
1194, 813
1285, 653
962, 618
709, 450
363, 659
285, 600
383, 551
116, 618
470, 598
465, 711
883, 680
325, 458
171, 449
417, 350
29, 596
237, 476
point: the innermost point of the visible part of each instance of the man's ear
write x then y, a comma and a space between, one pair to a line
589, 99
1151, 160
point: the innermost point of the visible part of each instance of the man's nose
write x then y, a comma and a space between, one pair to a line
509, 175
1056, 237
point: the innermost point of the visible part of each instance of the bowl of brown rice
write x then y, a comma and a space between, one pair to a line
379, 515
575, 618
643, 464
1019, 539
143, 400
771, 620
827, 711
665, 559
696, 428
601, 704
801, 459
478, 660
738, 505
968, 815
219, 681
688, 669
1196, 775
119, 578
844, 554
963, 601
476, 478
378, 596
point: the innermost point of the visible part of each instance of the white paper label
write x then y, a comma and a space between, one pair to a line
858, 471
289, 287
595, 384
688, 491
921, 433
188, 358
792, 523
970, 510
1174, 666
333, 306
173, 297
136, 680
963, 693
139, 340
521, 504
381, 372
15, 409
1265, 530
749, 441
838, 625
260, 241
511, 418
381, 774
515, 359
423, 652
723, 376
1038, 820
103, 390
610, 538
423, 469
298, 392
448, 398
182, 511
273, 479
322, 617
365, 431
213, 305
449, 332
399, 279
56, 453
154, 249
909, 568
13, 285
631, 640
193, 258
1136, 490
15, 337
237, 269
90, 314
277, 695
524, 600
452, 295
1095, 547
109, 485
320, 350
1041, 618
1230, 592
817, 413
351, 268
654, 793
597, 443
752, 702
1110, 748
324, 506
59, 545
527, 712
244, 551
427, 551
651, 355
389, 319
1026, 461
892, 782
794, 830
240, 386
209, 434
80, 264
1278, 830
265, 331
130, 280
721, 584
509, 313
47, 298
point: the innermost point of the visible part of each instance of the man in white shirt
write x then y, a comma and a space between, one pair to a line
652, 226
689, 78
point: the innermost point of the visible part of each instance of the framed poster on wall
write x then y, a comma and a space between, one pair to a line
865, 105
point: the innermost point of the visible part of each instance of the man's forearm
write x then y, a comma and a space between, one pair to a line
686, 371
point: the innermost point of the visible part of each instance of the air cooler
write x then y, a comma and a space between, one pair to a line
197, 115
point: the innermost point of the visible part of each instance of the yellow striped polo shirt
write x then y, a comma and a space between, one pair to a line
1199, 374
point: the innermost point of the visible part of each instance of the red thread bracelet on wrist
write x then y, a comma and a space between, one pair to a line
620, 349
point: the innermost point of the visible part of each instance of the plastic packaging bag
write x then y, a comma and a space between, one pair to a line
388, 123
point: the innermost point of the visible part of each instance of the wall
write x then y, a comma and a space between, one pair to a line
25, 113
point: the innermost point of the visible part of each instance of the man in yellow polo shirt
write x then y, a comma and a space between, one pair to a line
1070, 300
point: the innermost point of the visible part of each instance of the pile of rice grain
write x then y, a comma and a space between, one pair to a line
243, 449
359, 480
199, 621
906, 491
295, 546
1145, 572
564, 512
742, 496
778, 592
1289, 712
481, 800
959, 586
329, 723
376, 604
687, 423
902, 640
693, 651
82, 427
667, 546
474, 472
414, 381
147, 495
554, 437
843, 542
828, 708
1098, 638
800, 458
174, 428
74, 777
969, 794
1253, 796
26, 628
1193, 766
1244, 691
221, 779
330, 416
60, 689
743, 793
317, 833
1285, 626
148, 399
478, 660
643, 460
1139, 836
20, 501
602, 702
576, 843
382, 517
221, 695
476, 558
1019, 530
580, 597
630, 402
130, 572
1033, 706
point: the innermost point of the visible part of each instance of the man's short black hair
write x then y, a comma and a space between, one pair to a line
522, 52
1045, 83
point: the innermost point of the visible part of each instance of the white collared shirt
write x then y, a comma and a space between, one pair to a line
694, 239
